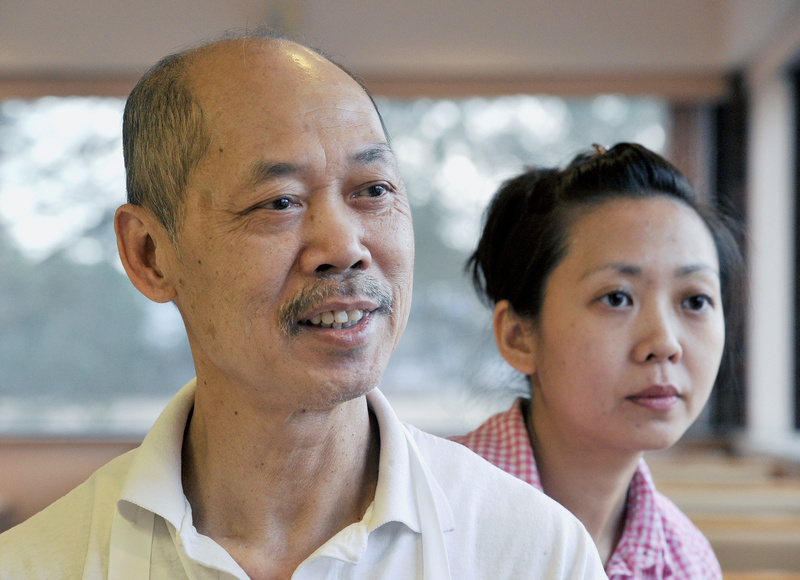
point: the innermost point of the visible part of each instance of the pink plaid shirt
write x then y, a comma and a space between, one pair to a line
658, 540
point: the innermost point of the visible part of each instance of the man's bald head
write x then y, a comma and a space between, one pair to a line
164, 131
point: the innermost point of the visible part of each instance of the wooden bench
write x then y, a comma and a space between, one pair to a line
747, 507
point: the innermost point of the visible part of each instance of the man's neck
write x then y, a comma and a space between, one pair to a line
271, 489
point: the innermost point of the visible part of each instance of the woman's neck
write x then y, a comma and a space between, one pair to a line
591, 483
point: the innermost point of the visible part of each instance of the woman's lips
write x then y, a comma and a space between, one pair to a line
656, 398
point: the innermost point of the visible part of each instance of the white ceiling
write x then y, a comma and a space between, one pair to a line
401, 37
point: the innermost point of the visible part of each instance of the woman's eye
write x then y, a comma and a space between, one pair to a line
698, 302
616, 299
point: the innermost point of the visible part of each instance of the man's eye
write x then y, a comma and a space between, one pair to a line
616, 299
376, 190
281, 203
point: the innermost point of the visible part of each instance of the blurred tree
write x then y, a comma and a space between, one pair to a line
82, 350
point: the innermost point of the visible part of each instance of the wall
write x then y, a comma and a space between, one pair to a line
36, 472
386, 37
771, 214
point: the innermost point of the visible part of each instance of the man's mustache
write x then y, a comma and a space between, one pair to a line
314, 294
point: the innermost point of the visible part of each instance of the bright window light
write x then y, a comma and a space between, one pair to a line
82, 353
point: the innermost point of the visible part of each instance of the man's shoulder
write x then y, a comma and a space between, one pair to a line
449, 457
466, 477
513, 529
58, 541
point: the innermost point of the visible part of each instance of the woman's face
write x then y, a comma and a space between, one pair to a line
631, 332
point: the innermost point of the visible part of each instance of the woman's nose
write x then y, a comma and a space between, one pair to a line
658, 340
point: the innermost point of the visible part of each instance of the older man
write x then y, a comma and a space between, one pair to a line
266, 203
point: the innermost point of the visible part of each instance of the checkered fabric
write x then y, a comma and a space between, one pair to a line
658, 541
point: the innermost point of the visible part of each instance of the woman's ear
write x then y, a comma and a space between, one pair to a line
144, 247
515, 338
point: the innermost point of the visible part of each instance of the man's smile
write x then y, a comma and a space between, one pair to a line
335, 304
335, 318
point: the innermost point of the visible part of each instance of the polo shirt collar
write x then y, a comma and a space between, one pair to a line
396, 495
154, 479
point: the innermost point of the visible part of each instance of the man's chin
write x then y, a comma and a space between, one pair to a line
331, 395
350, 396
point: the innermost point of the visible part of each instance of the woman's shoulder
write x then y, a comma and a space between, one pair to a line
689, 548
677, 525
496, 433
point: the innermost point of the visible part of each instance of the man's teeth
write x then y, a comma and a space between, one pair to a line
337, 318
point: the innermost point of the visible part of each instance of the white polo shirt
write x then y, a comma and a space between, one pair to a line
439, 512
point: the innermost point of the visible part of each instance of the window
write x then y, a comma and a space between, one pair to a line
82, 352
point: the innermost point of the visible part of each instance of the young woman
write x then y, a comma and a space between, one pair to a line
611, 284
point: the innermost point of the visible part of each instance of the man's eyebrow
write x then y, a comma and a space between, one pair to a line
266, 170
374, 153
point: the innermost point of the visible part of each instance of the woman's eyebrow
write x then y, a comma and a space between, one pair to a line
618, 267
634, 271
690, 269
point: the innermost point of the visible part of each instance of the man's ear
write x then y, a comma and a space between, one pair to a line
515, 338
144, 245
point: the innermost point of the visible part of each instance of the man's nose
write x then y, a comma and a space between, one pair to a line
658, 339
334, 240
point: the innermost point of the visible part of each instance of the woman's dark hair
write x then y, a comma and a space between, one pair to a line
527, 227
